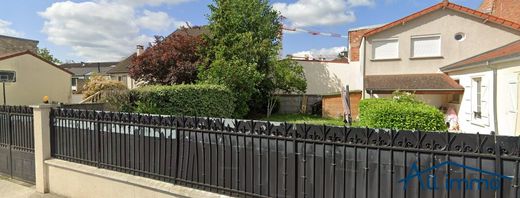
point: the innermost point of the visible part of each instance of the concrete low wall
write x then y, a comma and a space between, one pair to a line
76, 180
292, 103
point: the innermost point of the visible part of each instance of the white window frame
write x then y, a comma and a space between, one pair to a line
483, 119
385, 40
412, 54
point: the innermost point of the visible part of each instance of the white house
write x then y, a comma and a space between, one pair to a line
490, 80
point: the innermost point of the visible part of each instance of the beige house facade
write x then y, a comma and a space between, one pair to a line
407, 55
405, 47
35, 78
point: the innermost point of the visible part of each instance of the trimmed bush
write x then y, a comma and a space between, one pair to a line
189, 100
404, 115
98, 83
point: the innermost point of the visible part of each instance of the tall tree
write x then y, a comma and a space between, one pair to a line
171, 60
46, 54
243, 44
287, 76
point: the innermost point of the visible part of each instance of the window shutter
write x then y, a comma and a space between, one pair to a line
485, 101
429, 46
513, 96
386, 49
468, 105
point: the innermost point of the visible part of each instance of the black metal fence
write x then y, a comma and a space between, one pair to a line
261, 159
17, 142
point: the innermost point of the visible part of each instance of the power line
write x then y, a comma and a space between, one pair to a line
314, 33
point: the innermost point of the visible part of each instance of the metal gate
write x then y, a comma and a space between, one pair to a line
17, 143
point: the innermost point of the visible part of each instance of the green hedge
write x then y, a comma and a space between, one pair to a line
189, 100
394, 114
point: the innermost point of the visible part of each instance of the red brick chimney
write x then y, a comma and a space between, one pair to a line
354, 37
506, 9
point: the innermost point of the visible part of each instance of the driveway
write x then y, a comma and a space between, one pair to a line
14, 189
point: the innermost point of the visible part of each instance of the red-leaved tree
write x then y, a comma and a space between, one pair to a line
171, 60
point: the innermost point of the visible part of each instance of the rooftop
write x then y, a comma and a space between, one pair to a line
411, 82
507, 51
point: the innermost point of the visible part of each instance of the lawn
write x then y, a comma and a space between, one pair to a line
304, 118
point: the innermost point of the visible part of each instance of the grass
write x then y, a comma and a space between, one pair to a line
304, 118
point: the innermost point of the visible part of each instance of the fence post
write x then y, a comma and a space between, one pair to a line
42, 144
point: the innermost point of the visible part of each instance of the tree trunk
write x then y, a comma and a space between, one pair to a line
271, 102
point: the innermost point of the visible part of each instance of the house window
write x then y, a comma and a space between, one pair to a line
121, 78
460, 36
426, 46
385, 49
477, 96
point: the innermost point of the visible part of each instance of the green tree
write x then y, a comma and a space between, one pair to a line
243, 45
46, 54
286, 76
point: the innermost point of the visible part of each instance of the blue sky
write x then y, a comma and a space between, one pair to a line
104, 30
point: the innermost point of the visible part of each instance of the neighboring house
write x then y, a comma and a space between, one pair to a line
120, 71
35, 78
82, 71
490, 101
10, 44
406, 54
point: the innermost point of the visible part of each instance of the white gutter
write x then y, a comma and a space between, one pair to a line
363, 65
495, 94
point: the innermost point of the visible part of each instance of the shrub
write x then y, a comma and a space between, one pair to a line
189, 100
98, 83
117, 100
402, 96
396, 114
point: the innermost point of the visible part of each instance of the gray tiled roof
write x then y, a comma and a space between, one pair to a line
84, 69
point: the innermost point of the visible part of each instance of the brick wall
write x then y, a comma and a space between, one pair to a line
486, 6
11, 45
332, 106
355, 38
507, 9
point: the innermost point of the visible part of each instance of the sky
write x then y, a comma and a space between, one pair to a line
109, 30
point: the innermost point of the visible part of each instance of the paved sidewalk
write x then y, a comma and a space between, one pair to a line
14, 189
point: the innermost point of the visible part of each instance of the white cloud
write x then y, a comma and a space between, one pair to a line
327, 53
320, 12
146, 2
354, 3
101, 30
5, 29
158, 21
